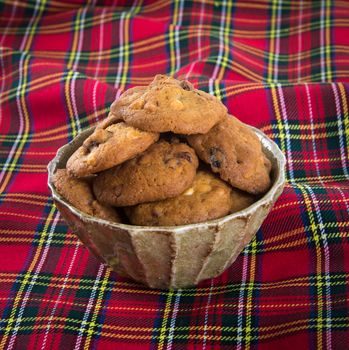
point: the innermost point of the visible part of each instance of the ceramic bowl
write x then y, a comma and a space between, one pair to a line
176, 256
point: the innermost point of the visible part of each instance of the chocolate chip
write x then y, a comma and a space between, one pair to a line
91, 146
185, 85
155, 213
184, 155
217, 157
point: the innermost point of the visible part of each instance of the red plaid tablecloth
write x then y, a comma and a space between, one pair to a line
282, 66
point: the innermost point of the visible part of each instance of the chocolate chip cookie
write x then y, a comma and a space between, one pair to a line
234, 152
126, 98
164, 170
108, 147
207, 198
168, 104
78, 193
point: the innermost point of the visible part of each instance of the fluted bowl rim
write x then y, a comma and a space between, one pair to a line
268, 146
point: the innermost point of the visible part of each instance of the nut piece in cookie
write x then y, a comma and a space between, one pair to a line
164, 170
207, 198
78, 193
234, 152
108, 147
168, 104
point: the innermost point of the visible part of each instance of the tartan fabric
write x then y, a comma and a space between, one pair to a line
282, 66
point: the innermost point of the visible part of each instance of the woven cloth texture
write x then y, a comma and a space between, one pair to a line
282, 66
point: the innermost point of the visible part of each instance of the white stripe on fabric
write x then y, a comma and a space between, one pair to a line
173, 319
287, 131
89, 307
94, 99
277, 41
2, 74
321, 226
322, 42
123, 15
221, 41
341, 131
30, 24
177, 40
311, 119
121, 50
241, 303
73, 99
72, 261
100, 46
80, 39
327, 268
209, 297
202, 11
32, 281
4, 33
299, 59
21, 119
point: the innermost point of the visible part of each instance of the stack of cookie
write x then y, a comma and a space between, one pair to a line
142, 162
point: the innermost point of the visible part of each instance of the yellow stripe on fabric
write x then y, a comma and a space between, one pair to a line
26, 278
249, 299
126, 287
93, 324
35, 24
217, 89
328, 39
33, 85
226, 40
319, 283
168, 307
65, 320
279, 124
76, 34
198, 337
252, 34
345, 114
341, 325
69, 104
24, 139
268, 307
25, 201
272, 41
171, 38
126, 62
157, 41
25, 195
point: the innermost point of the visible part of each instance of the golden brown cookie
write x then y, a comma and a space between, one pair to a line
206, 199
127, 98
78, 193
234, 152
168, 104
241, 200
108, 147
164, 170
